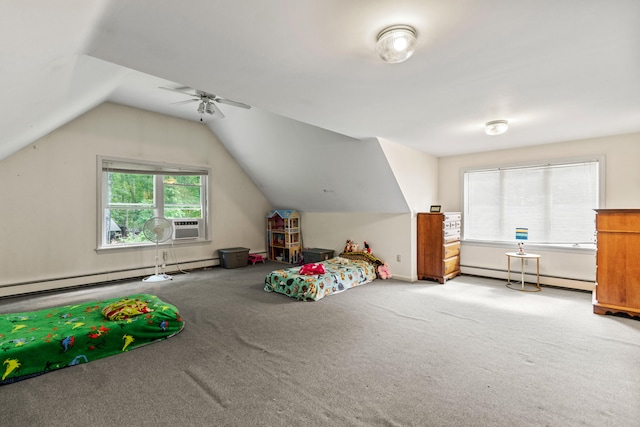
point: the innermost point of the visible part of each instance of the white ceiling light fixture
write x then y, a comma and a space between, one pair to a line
496, 127
396, 44
201, 108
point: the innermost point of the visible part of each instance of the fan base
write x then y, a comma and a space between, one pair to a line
157, 278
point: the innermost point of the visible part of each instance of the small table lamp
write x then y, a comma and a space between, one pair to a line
521, 234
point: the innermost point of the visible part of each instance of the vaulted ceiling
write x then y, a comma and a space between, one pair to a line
556, 70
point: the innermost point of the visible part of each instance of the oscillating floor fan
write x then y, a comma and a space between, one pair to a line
157, 230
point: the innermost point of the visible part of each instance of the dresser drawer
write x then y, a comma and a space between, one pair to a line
451, 265
450, 250
450, 224
451, 234
452, 216
617, 222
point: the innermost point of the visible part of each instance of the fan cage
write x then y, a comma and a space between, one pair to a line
158, 229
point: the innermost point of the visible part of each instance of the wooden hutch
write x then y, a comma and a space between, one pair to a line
617, 262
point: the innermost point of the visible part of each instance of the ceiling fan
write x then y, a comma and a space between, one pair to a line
207, 101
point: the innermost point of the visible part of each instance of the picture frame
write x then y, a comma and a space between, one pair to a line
435, 208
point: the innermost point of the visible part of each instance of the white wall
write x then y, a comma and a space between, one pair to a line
389, 235
49, 202
570, 269
312, 169
49, 199
416, 173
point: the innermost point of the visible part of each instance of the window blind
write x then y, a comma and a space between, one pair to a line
554, 201
121, 166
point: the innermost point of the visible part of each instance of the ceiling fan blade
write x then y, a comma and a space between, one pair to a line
185, 102
234, 103
183, 89
215, 111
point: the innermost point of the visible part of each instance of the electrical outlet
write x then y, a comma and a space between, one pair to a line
164, 255
526, 262
398, 258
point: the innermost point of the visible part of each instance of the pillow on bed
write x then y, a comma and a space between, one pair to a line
125, 308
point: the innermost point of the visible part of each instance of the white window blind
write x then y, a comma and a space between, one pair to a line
554, 201
124, 166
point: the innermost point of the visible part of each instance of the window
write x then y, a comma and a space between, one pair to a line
554, 201
132, 192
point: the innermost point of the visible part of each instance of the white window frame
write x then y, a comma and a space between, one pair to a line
576, 246
158, 170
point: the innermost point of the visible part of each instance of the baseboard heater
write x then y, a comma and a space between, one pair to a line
92, 279
556, 281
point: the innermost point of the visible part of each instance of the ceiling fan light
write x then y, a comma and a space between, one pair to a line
396, 44
209, 108
496, 127
201, 108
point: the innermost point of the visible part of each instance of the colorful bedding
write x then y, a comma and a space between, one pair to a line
34, 343
340, 275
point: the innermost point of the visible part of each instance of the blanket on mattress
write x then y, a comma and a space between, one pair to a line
340, 275
34, 343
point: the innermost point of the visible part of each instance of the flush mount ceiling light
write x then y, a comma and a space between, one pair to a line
396, 44
496, 127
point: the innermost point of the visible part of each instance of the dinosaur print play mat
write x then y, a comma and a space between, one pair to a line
34, 343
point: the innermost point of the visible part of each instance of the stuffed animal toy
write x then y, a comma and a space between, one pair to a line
383, 271
367, 249
347, 247
312, 269
351, 246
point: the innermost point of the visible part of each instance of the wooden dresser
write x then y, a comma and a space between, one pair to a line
617, 262
438, 245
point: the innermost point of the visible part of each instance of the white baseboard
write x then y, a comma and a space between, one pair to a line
92, 279
560, 282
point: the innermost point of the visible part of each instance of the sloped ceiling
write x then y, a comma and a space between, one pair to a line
556, 70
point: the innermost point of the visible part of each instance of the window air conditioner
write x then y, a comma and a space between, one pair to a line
187, 229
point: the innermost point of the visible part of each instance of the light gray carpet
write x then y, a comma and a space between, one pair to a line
468, 353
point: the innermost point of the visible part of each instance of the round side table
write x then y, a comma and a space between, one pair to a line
522, 258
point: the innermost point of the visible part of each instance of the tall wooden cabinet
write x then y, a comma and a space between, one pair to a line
617, 262
283, 235
438, 245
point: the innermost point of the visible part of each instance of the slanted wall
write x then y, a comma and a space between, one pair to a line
308, 168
